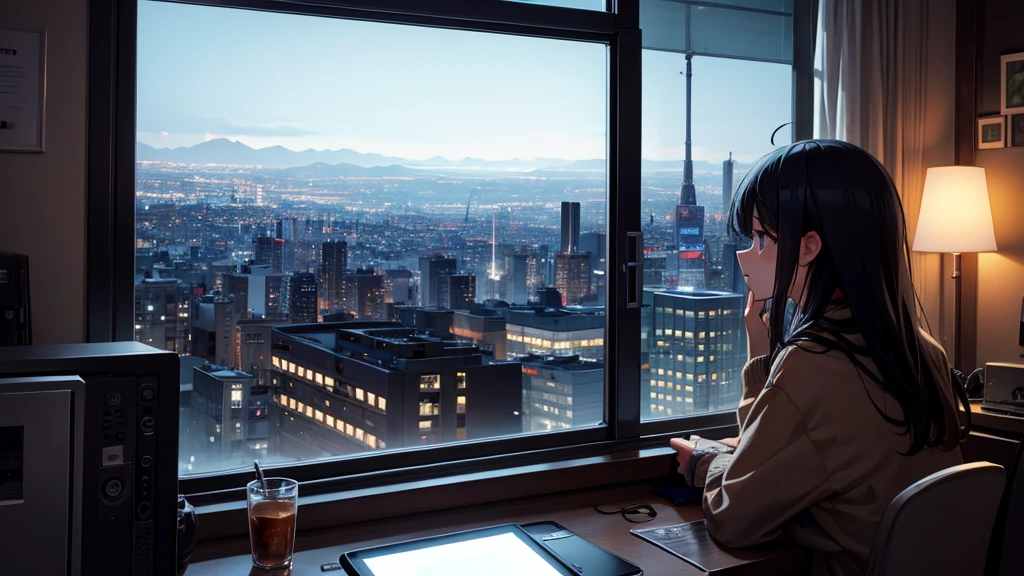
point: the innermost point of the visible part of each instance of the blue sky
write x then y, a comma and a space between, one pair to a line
305, 82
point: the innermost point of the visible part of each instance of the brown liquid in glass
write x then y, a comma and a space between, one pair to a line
272, 531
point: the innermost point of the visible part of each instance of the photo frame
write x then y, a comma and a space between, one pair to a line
991, 132
1011, 83
22, 89
1015, 131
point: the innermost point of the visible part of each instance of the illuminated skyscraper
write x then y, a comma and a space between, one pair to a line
697, 348
572, 277
456, 291
333, 263
302, 306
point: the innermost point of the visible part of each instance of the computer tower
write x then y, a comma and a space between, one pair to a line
15, 320
89, 444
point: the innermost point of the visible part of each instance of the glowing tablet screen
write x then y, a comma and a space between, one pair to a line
501, 555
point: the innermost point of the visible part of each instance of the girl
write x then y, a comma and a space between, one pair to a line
857, 402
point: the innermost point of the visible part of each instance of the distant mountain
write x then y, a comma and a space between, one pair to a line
320, 170
224, 151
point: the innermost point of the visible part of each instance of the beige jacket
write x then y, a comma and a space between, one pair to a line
816, 463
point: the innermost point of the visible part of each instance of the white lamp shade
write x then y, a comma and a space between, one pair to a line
955, 212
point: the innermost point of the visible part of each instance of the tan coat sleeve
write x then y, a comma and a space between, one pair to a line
755, 374
775, 473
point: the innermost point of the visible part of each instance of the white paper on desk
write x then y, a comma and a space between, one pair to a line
20, 89
501, 555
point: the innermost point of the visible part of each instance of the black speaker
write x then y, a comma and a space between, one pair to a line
15, 322
122, 468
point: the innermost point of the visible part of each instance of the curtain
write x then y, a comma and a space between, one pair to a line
871, 62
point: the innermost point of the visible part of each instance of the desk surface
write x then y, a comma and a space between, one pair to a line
995, 421
573, 510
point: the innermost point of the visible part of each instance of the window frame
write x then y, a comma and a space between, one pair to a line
111, 224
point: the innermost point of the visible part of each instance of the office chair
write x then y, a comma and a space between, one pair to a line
940, 525
1004, 555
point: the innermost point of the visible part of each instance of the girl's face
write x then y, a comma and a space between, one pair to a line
758, 262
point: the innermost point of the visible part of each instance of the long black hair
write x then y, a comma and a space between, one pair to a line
843, 194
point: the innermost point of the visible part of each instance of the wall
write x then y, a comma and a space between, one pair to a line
1000, 274
931, 277
42, 196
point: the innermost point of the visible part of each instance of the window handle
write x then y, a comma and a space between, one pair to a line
634, 269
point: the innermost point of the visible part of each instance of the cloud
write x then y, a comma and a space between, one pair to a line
197, 125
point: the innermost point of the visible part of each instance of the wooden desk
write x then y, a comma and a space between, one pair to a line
574, 510
996, 422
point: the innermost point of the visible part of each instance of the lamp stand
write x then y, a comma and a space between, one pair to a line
956, 311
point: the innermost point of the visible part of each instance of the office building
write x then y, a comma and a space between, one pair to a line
333, 268
263, 250
160, 320
595, 243
401, 286
258, 292
456, 291
373, 385
234, 413
303, 306
561, 392
484, 327
252, 348
546, 331
436, 321
697, 348
570, 227
213, 328
366, 295
572, 277
517, 278
431, 269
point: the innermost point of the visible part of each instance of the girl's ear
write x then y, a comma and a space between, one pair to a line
810, 246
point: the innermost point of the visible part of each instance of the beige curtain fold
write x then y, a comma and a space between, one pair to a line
872, 91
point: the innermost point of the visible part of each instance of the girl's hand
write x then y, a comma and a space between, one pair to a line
683, 450
758, 341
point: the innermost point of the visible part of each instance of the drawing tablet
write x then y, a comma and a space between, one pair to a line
505, 550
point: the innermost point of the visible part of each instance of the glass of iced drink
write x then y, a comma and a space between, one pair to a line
272, 513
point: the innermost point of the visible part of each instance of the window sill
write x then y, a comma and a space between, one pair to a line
338, 508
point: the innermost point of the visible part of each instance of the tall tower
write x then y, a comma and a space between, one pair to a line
570, 227
689, 222
333, 263
727, 170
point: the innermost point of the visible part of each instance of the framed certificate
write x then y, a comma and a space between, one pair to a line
22, 88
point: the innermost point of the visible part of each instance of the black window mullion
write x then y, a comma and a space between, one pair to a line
622, 366
804, 32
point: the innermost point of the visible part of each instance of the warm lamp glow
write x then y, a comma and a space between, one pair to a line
955, 212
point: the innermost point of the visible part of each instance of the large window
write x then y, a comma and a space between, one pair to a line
382, 236
371, 236
693, 342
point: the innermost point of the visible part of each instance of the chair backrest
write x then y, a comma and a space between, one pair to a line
940, 525
1004, 555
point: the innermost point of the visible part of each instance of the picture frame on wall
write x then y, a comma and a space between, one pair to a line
22, 88
1015, 131
1011, 83
991, 132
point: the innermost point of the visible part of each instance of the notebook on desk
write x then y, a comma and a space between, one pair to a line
692, 543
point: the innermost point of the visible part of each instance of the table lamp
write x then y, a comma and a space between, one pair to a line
955, 217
